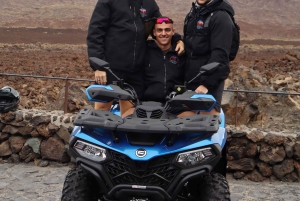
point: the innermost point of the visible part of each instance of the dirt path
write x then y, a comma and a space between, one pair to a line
42, 35
78, 36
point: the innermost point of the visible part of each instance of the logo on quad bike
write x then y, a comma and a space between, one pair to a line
143, 12
200, 24
141, 152
139, 187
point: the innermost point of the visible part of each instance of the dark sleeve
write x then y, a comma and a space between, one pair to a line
221, 29
97, 29
156, 12
176, 37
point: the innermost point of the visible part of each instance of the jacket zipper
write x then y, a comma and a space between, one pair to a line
134, 48
165, 79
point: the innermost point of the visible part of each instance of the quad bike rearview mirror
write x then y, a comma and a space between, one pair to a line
206, 70
99, 64
125, 91
209, 68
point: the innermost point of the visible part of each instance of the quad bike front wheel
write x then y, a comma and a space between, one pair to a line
211, 187
79, 186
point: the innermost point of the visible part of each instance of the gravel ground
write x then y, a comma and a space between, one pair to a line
27, 182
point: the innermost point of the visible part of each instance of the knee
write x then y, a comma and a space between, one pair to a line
212, 112
102, 106
128, 112
185, 114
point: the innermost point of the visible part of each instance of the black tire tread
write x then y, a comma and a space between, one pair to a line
213, 187
76, 186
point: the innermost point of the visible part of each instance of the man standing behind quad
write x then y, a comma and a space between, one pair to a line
207, 43
116, 34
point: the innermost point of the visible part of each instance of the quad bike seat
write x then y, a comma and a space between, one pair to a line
9, 99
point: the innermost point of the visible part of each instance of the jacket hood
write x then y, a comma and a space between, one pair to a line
225, 5
217, 5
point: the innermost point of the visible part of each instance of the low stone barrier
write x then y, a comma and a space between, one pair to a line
258, 154
42, 136
27, 135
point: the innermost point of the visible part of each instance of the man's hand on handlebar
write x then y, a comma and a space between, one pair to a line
100, 77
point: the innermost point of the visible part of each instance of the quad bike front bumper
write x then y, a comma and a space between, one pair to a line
159, 179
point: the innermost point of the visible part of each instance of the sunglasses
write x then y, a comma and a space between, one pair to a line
164, 20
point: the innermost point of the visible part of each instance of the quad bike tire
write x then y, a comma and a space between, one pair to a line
211, 187
79, 186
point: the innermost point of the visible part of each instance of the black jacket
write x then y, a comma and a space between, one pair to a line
162, 72
116, 32
208, 44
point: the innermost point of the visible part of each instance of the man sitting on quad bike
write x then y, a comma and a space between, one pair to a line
163, 67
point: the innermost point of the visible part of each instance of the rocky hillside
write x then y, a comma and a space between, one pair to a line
277, 71
47, 38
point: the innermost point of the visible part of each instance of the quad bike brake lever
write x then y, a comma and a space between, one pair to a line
108, 69
194, 78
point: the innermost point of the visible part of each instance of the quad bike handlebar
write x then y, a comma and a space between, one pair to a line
122, 91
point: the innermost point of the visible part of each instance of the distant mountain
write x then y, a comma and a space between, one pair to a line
263, 19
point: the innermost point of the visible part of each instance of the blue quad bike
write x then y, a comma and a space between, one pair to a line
150, 155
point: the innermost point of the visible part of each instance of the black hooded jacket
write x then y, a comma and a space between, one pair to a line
162, 72
116, 32
208, 44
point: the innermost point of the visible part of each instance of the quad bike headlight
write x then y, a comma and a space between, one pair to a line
90, 151
194, 157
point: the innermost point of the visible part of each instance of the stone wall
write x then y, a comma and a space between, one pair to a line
39, 135
259, 154
42, 136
